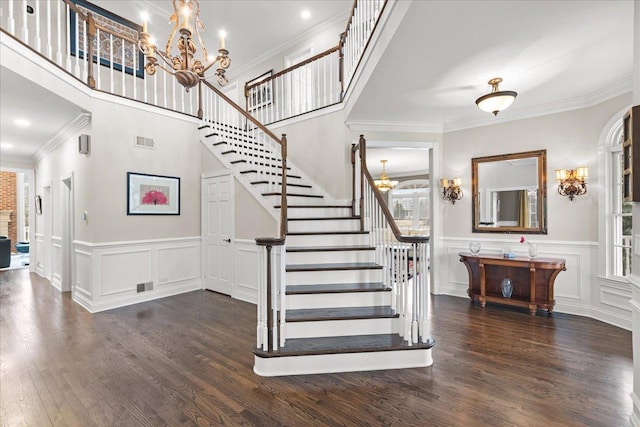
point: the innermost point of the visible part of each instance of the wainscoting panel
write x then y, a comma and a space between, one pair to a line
39, 254
120, 271
111, 275
56, 261
247, 273
578, 290
178, 264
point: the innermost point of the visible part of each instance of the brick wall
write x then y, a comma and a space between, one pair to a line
8, 193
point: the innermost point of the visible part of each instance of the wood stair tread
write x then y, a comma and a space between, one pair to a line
336, 288
325, 218
334, 266
279, 183
277, 174
341, 345
330, 248
340, 313
277, 193
319, 233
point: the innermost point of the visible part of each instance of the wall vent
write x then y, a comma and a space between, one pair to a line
148, 286
144, 287
143, 142
140, 287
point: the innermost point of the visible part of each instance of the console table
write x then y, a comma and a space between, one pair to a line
532, 280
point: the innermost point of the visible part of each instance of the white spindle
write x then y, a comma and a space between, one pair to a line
10, 19
111, 74
36, 10
155, 87
59, 38
85, 45
134, 68
49, 49
98, 66
122, 67
25, 29
283, 287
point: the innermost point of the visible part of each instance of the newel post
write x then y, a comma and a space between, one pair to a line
283, 193
91, 31
363, 165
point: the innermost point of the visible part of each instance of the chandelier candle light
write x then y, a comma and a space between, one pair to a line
187, 69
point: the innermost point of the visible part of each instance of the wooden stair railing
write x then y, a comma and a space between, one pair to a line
322, 80
405, 258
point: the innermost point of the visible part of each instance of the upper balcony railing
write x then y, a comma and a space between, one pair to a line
61, 31
320, 81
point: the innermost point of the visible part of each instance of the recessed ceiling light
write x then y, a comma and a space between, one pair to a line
22, 123
305, 14
6, 145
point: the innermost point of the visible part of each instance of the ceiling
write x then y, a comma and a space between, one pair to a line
556, 54
46, 112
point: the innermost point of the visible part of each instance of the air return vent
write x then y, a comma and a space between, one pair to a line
143, 142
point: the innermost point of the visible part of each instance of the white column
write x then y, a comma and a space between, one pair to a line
634, 419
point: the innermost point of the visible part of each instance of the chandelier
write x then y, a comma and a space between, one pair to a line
185, 66
384, 184
497, 100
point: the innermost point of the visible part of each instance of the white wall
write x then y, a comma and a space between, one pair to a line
571, 139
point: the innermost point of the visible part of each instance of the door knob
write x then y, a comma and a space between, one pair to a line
226, 240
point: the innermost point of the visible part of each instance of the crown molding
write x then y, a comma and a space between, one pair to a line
322, 26
63, 135
381, 126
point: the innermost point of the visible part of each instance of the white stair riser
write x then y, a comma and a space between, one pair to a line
341, 328
324, 225
352, 299
333, 276
297, 200
348, 362
329, 257
317, 212
328, 240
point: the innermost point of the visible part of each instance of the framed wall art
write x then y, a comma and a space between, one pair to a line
152, 194
106, 47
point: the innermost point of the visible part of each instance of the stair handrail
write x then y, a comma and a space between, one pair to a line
404, 258
361, 148
283, 150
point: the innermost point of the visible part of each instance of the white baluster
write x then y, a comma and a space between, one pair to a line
283, 302
25, 29
134, 68
36, 10
86, 59
98, 66
122, 73
112, 78
10, 19
49, 50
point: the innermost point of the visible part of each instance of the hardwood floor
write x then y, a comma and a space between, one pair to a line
187, 360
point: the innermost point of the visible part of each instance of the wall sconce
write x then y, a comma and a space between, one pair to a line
451, 191
572, 182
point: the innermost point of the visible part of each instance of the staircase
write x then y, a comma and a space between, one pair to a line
339, 314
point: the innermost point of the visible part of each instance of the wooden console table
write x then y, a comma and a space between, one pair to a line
532, 280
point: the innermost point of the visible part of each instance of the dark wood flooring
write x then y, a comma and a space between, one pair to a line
187, 360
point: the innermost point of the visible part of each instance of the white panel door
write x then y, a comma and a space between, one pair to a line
217, 233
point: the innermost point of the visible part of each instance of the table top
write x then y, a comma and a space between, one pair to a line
499, 259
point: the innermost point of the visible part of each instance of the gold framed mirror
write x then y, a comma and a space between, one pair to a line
509, 193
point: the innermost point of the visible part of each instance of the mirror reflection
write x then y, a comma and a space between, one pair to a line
509, 193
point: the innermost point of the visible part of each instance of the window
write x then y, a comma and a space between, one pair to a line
620, 217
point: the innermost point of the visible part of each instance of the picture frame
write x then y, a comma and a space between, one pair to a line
262, 96
152, 194
113, 22
38, 205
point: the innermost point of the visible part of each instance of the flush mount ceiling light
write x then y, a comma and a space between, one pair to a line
23, 123
497, 100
